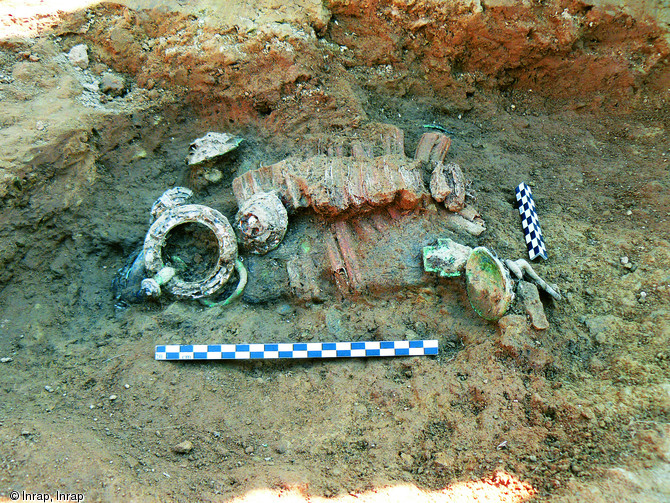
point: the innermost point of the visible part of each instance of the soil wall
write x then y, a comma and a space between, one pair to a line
254, 62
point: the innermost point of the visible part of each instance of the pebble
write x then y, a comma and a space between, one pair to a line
629, 213
407, 460
113, 85
113, 397
282, 446
284, 309
513, 335
183, 447
532, 458
78, 56
411, 335
334, 320
127, 386
533, 305
6, 359
98, 69
213, 175
25, 433
361, 409
132, 462
606, 324
249, 449
49, 389
624, 260
443, 460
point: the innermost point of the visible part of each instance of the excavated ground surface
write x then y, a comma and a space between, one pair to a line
576, 412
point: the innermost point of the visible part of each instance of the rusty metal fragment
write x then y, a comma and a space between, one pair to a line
372, 140
447, 184
432, 147
337, 186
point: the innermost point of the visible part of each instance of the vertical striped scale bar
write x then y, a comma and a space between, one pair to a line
295, 350
530, 223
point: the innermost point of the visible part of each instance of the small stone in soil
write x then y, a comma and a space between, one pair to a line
78, 56
411, 335
183, 447
533, 305
284, 309
281, 447
113, 85
407, 460
213, 175
249, 450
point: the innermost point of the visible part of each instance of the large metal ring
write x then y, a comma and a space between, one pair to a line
226, 241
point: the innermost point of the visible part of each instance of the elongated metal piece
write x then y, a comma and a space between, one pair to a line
296, 350
521, 266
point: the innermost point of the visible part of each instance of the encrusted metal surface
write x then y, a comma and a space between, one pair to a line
225, 238
261, 222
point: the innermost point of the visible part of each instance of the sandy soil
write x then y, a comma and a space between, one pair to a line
573, 413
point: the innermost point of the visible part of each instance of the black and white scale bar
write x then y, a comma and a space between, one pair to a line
530, 222
295, 350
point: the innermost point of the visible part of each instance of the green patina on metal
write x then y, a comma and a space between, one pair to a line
305, 246
488, 286
243, 274
446, 259
434, 261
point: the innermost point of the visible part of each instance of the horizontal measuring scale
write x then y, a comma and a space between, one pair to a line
295, 350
